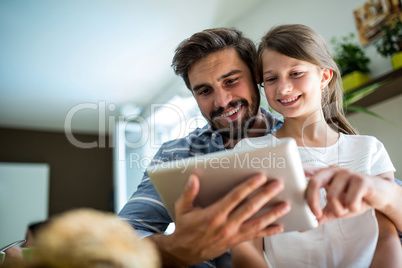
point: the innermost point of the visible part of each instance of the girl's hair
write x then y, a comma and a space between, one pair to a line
303, 43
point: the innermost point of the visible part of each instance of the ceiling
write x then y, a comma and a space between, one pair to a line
83, 62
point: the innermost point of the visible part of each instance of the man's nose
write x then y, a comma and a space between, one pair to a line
222, 98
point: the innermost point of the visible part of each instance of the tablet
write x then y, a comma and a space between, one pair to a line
220, 172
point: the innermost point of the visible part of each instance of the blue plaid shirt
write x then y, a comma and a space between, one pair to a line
145, 210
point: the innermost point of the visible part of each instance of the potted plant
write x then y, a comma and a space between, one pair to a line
390, 43
352, 61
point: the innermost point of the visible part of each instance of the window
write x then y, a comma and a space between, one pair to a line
138, 139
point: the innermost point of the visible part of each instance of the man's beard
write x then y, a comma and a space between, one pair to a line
235, 130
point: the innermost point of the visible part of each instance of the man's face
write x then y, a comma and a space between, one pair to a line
224, 89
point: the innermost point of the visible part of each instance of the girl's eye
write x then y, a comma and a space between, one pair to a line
295, 73
269, 80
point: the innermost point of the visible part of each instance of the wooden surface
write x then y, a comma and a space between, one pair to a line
387, 91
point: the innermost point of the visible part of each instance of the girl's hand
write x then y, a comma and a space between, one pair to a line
348, 192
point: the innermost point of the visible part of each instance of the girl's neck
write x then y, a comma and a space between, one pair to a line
311, 131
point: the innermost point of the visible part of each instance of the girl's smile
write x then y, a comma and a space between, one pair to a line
289, 101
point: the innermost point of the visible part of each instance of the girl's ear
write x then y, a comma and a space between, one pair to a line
327, 75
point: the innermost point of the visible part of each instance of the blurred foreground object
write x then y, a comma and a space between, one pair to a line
88, 238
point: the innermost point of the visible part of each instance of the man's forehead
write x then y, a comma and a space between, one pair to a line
216, 66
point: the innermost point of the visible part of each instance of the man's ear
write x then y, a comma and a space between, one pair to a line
327, 75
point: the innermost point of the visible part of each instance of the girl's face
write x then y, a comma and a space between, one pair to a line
293, 87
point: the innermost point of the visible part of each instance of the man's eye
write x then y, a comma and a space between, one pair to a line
231, 81
203, 91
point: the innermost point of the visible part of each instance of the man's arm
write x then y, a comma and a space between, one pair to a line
205, 233
145, 211
351, 193
391, 207
388, 250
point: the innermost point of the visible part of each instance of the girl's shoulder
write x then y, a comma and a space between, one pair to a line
258, 142
359, 140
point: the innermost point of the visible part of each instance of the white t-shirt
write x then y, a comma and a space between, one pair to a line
347, 242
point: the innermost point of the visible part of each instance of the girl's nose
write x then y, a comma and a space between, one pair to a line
284, 86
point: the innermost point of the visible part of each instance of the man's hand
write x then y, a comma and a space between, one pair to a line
205, 233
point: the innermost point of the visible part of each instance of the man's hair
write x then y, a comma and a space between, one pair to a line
202, 44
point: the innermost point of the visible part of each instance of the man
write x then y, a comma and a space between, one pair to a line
219, 67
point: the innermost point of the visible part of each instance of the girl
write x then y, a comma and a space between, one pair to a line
301, 81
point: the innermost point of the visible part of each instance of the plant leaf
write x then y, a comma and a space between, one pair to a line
366, 111
353, 96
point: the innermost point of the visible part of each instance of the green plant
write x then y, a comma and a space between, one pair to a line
349, 55
351, 97
391, 41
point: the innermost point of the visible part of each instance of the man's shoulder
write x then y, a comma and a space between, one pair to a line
274, 122
196, 142
198, 135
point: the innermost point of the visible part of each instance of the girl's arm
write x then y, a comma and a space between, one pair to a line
388, 252
249, 254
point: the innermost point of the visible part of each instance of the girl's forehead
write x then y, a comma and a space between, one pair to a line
276, 59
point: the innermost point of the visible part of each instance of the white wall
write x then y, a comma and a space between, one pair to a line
24, 198
389, 134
